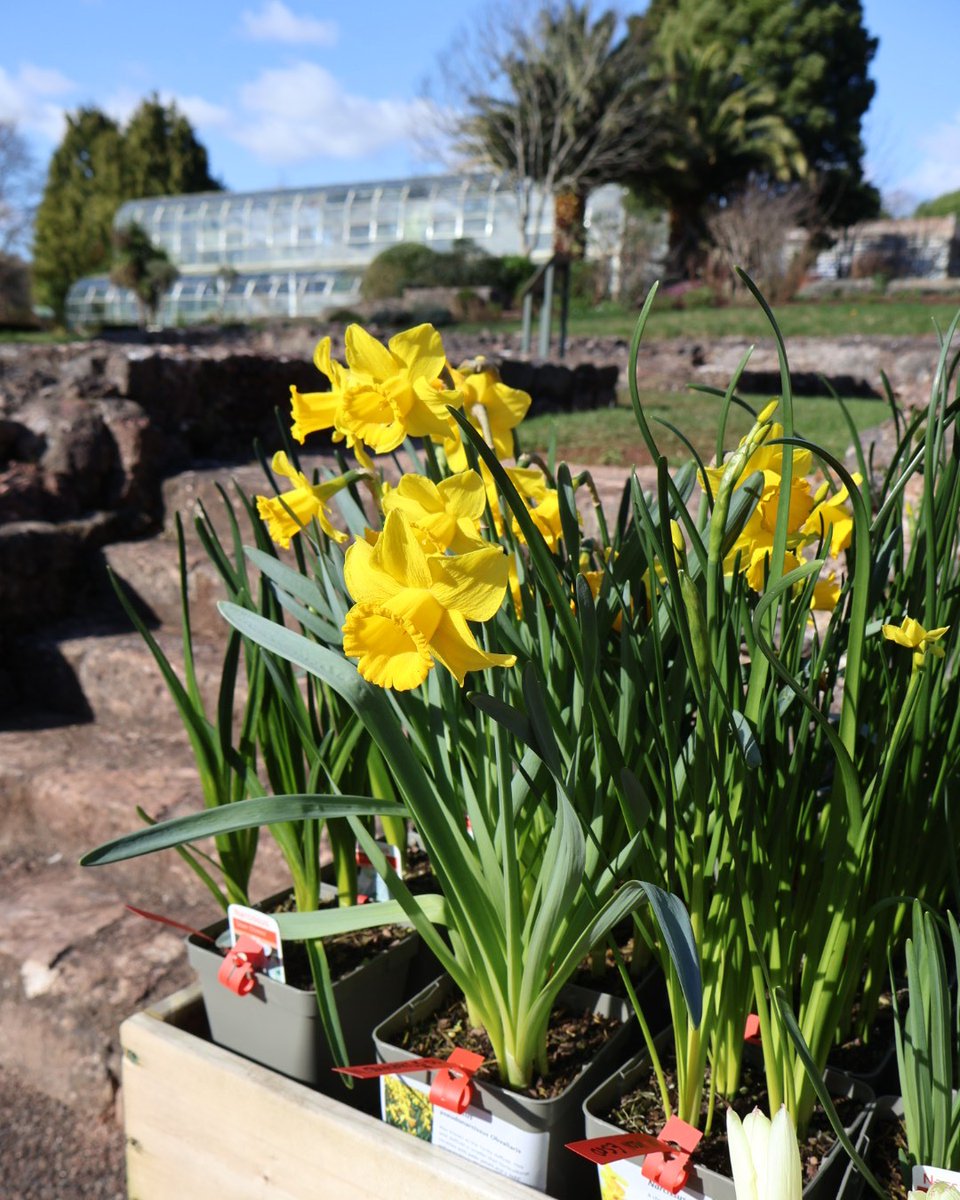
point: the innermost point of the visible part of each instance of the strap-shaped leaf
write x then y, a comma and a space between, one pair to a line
328, 922
244, 814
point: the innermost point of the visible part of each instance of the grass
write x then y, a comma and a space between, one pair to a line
40, 337
901, 316
610, 436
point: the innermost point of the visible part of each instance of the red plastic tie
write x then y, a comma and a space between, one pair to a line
453, 1085
670, 1170
238, 970
751, 1031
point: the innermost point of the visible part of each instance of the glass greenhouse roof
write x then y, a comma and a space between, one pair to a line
302, 251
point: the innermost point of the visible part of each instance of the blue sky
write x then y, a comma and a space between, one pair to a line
289, 92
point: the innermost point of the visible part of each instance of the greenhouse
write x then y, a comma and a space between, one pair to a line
301, 252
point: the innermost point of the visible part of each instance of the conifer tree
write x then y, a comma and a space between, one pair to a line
83, 189
94, 169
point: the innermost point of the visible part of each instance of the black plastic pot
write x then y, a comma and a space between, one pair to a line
512, 1134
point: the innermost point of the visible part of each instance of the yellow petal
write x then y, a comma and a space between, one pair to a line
399, 554
463, 494
365, 578
312, 411
324, 363
366, 355
281, 465
421, 352
391, 652
454, 645
288, 513
473, 584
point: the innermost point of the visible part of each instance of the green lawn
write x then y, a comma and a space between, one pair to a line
807, 318
40, 337
610, 435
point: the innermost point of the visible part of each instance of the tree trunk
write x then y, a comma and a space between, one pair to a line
569, 231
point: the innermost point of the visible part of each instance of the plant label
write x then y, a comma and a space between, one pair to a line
477, 1135
924, 1177
369, 883
625, 1180
264, 930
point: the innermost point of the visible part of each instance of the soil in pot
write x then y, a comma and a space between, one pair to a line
641, 1110
888, 1138
872, 1057
573, 1039
521, 1135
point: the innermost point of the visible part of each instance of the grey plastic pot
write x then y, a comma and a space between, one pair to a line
558, 1172
702, 1181
279, 1026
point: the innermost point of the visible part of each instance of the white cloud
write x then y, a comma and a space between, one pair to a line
276, 23
939, 169
301, 112
201, 113
28, 99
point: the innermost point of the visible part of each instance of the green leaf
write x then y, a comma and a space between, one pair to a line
327, 922
243, 814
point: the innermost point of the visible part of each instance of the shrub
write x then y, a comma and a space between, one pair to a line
407, 265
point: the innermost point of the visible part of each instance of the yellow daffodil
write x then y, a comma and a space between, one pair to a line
492, 408
765, 458
446, 515
764, 1156
830, 520
385, 393
913, 636
755, 568
292, 511
412, 608
756, 538
826, 593
542, 502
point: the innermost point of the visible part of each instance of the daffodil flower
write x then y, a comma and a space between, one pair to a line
542, 502
412, 608
446, 514
292, 511
492, 408
765, 458
826, 593
830, 520
764, 1156
913, 636
936, 1191
385, 394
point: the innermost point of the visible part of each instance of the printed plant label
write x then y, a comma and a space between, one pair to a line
923, 1177
263, 929
625, 1180
476, 1135
369, 883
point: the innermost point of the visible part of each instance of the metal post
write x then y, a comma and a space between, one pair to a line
546, 312
527, 322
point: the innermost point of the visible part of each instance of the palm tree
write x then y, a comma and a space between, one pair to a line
718, 130
563, 106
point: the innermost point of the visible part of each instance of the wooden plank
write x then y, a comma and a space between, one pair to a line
203, 1122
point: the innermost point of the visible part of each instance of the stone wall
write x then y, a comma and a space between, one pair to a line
919, 248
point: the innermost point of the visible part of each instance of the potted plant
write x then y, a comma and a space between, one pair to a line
526, 885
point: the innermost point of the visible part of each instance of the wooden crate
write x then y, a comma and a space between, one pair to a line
203, 1122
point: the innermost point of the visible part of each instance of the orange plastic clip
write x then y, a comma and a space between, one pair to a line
751, 1031
452, 1086
670, 1171
242, 961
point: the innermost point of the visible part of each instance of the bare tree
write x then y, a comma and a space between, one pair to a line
753, 231
19, 189
556, 102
